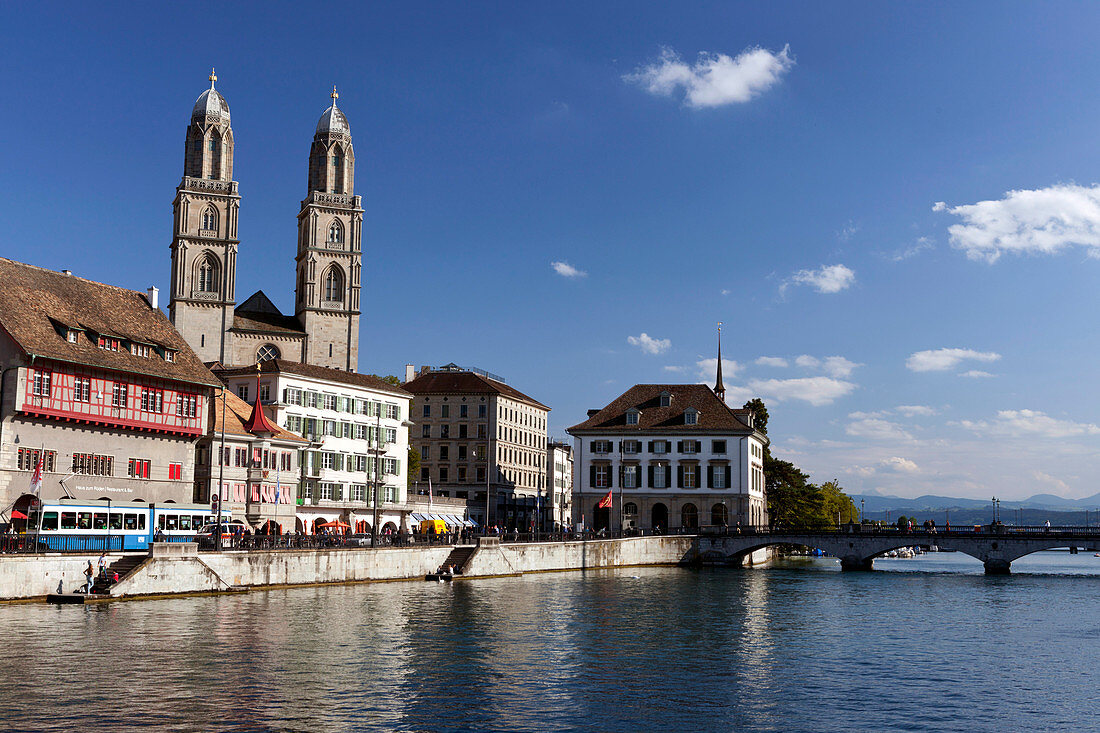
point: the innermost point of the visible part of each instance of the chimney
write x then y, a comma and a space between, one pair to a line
410, 372
591, 413
67, 272
154, 297
425, 369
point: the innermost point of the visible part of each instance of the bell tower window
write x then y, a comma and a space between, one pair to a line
336, 233
334, 285
209, 219
208, 276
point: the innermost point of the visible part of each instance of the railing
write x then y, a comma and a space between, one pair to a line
59, 543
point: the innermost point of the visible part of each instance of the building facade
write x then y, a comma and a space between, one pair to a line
357, 430
324, 330
670, 456
254, 460
559, 483
97, 385
481, 441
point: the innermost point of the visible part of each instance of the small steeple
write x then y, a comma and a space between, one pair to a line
719, 388
213, 77
257, 421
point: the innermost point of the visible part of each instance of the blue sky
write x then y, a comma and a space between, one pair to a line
892, 208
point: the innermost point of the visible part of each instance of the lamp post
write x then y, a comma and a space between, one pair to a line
861, 511
377, 473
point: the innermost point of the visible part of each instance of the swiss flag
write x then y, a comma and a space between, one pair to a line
606, 502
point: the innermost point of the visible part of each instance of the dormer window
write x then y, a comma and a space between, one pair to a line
71, 336
631, 417
169, 355
691, 417
108, 343
139, 350
666, 399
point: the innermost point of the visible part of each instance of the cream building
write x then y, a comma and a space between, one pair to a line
559, 483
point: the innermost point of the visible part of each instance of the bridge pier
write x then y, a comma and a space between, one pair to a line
851, 562
998, 567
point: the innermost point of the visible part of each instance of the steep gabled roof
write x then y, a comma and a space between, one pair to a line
713, 415
38, 306
465, 382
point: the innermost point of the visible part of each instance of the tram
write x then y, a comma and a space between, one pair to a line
74, 524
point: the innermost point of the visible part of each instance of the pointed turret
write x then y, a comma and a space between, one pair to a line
719, 388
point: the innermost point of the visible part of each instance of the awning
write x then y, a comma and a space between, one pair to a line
418, 517
16, 514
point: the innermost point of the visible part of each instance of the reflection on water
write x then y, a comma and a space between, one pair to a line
924, 644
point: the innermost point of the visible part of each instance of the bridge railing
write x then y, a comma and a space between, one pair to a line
999, 530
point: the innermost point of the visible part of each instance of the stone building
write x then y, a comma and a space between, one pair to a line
477, 434
324, 330
356, 426
258, 464
97, 384
670, 456
559, 483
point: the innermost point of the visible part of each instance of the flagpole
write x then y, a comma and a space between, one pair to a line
37, 479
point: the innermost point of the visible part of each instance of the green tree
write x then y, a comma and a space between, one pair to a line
757, 406
388, 379
413, 472
837, 503
792, 500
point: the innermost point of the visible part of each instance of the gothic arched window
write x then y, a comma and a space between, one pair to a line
267, 352
208, 275
336, 233
334, 284
209, 218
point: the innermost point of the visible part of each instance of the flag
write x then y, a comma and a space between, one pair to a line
278, 487
429, 493
36, 477
606, 502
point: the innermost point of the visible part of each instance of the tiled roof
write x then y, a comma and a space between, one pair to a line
713, 415
282, 366
274, 323
37, 306
464, 382
237, 414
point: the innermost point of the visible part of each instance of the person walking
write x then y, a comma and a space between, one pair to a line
103, 565
89, 578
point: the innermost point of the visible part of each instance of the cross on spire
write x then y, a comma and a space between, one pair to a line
335, 95
213, 77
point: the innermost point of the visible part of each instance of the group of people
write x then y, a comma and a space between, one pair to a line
104, 573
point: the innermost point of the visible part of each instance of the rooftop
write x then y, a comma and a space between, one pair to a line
464, 381
712, 413
282, 366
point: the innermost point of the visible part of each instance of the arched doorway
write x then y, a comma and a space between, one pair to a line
689, 516
659, 517
20, 512
601, 518
719, 515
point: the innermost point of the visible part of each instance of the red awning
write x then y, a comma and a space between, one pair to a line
16, 514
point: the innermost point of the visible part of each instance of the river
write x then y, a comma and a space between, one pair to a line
927, 644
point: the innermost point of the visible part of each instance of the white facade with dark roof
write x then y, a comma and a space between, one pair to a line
672, 457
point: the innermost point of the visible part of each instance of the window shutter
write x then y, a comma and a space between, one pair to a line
679, 477
710, 477
679, 446
650, 477
728, 484
622, 474
651, 446
592, 447
698, 446
592, 476
610, 478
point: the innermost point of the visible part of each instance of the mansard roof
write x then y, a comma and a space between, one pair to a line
282, 366
466, 382
237, 416
713, 414
39, 306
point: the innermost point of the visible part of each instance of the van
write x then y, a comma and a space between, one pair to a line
427, 526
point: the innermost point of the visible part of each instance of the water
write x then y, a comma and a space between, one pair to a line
928, 644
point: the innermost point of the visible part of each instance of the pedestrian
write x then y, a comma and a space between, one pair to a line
103, 565
89, 578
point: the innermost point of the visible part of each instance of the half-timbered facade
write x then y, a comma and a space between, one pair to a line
98, 383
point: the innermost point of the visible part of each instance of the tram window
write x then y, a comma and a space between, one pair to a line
68, 520
84, 520
49, 520
131, 521
141, 521
160, 521
196, 523
185, 521
171, 522
116, 520
99, 520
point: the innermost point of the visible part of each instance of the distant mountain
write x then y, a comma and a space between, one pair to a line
1033, 510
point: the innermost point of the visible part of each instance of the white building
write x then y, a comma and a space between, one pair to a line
559, 483
671, 456
359, 440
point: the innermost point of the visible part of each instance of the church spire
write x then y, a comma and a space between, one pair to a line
719, 388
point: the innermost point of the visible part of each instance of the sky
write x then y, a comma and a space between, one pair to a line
892, 208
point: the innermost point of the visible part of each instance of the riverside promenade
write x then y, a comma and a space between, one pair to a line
179, 568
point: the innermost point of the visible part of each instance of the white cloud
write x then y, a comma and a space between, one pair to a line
916, 410
1051, 484
900, 465
649, 344
848, 231
940, 360
921, 245
725, 291
864, 415
1030, 423
826, 279
715, 79
817, 391
877, 429
567, 270
977, 374
676, 369
708, 368
834, 366
771, 361
1040, 221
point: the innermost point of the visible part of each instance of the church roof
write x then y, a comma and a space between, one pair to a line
333, 120
39, 308
210, 104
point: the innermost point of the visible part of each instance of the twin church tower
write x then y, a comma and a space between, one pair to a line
324, 330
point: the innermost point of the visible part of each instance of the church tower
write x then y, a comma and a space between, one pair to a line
204, 239
330, 227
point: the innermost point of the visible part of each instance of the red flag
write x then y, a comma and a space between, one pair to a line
36, 477
606, 502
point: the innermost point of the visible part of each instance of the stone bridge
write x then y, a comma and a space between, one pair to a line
857, 547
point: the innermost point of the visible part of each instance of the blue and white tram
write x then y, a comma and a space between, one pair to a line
74, 524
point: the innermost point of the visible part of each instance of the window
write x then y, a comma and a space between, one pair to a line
108, 343
666, 399
242, 392
481, 474
209, 218
689, 446
444, 431
389, 466
718, 446
427, 410
463, 411
169, 355
393, 412
71, 336
426, 431
691, 417
267, 352
329, 401
481, 410
139, 350
292, 396
632, 446
41, 384
326, 491
187, 405
138, 468
443, 477
481, 431
152, 400
28, 459
208, 276
660, 476
462, 430
424, 474
93, 465
336, 161
462, 453
691, 476
82, 389
601, 476
630, 509
328, 427
630, 477
175, 471
601, 446
358, 492
334, 285
632, 417
660, 446
462, 474
717, 477
265, 393
444, 452
335, 232
390, 435
212, 146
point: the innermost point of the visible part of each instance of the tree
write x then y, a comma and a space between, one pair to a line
792, 500
413, 473
837, 503
760, 411
388, 379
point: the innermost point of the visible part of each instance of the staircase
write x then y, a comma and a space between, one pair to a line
459, 557
123, 566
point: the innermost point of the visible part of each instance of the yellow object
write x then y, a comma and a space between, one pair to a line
426, 526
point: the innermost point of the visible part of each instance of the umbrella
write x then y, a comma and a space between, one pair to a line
16, 514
